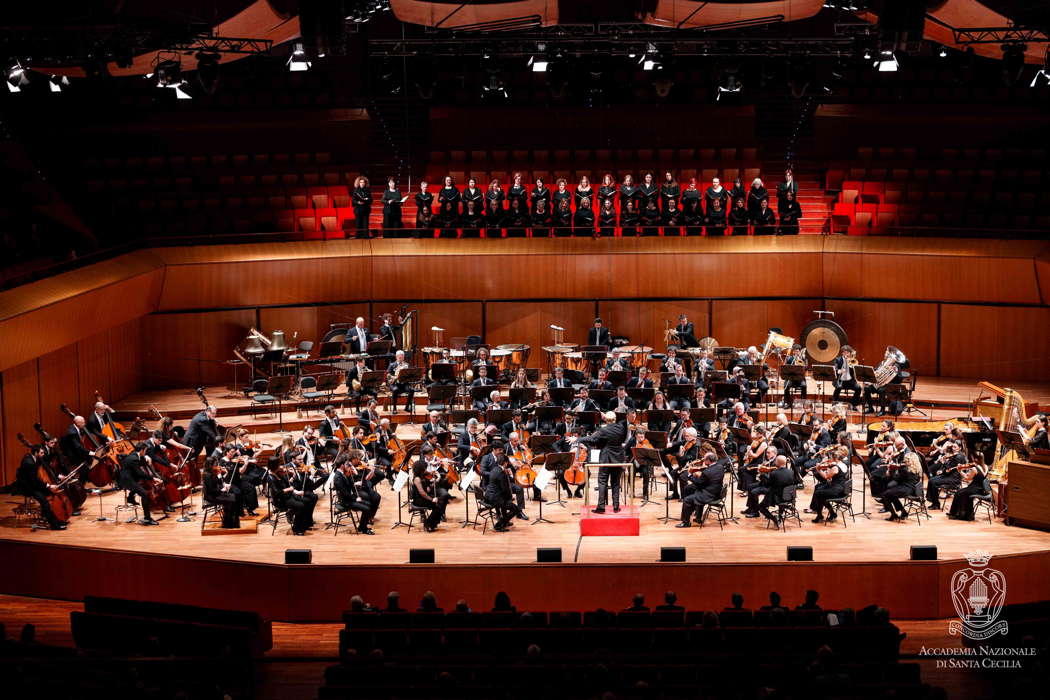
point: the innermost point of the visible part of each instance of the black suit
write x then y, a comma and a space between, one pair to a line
94, 423
707, 488
610, 438
779, 479
133, 472
352, 496
686, 335
30, 485
599, 336
72, 446
354, 341
498, 494
845, 380
202, 432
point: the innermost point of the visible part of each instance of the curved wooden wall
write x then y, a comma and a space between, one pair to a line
168, 317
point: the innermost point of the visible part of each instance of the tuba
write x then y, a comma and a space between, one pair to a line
889, 367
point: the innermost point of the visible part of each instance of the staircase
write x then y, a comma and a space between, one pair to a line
784, 127
397, 146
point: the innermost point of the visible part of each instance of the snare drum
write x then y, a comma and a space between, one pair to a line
500, 358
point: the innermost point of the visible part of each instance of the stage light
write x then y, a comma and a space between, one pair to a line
730, 86
57, 82
867, 55
16, 76
298, 61
1043, 75
887, 62
650, 60
943, 53
538, 64
168, 72
180, 92
208, 71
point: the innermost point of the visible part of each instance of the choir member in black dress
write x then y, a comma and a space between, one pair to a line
670, 190
583, 220
519, 192
562, 203
692, 209
713, 193
583, 189
755, 196
392, 210
672, 219
650, 218
765, 220
541, 218
540, 193
607, 219
607, 192
424, 212
737, 192
362, 203
517, 220
473, 221
648, 192
716, 218
494, 211
790, 214
448, 208
472, 193
738, 218
788, 185
628, 202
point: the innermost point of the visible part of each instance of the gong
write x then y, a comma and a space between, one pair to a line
823, 339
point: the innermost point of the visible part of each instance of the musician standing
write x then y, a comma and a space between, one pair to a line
844, 377
134, 471
610, 438
599, 334
203, 432
686, 332
99, 419
31, 486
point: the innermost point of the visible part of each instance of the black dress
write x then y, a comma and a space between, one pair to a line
737, 192
538, 196
520, 193
606, 192
738, 218
648, 193
424, 214
607, 220
541, 223
711, 195
650, 218
448, 210
517, 221
472, 223
392, 212
716, 222
494, 211
629, 209
765, 222
692, 212
562, 202
472, 195
669, 191
362, 203
580, 195
754, 200
790, 214
782, 189
583, 221
672, 219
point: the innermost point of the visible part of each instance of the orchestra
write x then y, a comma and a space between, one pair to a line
738, 443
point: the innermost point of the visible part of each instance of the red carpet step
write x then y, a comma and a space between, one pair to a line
626, 522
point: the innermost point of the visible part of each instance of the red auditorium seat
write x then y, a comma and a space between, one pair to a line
727, 154
306, 222
319, 197
298, 198
331, 177
729, 175
340, 196
311, 178
322, 158
344, 217
856, 230
750, 174
707, 155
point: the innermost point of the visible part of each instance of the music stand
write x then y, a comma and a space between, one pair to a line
715, 375
702, 415
725, 355
542, 444
661, 415
724, 391
377, 348
279, 387
791, 373
549, 414
481, 393
574, 376
642, 396
899, 392
498, 416
329, 382
821, 374
657, 438
674, 392
521, 395
441, 397
555, 462
532, 374
443, 372
588, 418
664, 378
331, 348
561, 395
865, 374
617, 377
463, 415
650, 458
602, 397
595, 356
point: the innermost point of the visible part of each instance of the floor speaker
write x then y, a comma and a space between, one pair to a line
800, 554
672, 553
298, 556
924, 552
421, 556
548, 554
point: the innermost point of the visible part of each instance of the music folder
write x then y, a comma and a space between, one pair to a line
865, 374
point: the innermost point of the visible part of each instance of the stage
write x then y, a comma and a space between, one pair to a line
867, 561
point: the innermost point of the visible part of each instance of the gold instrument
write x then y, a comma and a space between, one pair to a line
888, 368
670, 334
777, 342
1012, 418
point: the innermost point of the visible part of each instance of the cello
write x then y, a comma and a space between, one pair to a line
101, 473
74, 489
59, 501
119, 443
521, 460
575, 474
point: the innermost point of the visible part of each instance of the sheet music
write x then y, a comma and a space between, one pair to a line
668, 475
467, 479
595, 456
400, 480
543, 477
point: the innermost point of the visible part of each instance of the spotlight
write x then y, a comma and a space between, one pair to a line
180, 92
730, 86
298, 61
650, 60
887, 62
943, 53
16, 76
208, 71
57, 82
1043, 75
538, 64
167, 72
867, 55
1013, 62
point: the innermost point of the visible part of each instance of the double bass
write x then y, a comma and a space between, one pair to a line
106, 463
59, 501
74, 489
116, 432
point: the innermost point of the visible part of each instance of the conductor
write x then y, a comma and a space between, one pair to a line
610, 438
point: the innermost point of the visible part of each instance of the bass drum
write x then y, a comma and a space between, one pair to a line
823, 339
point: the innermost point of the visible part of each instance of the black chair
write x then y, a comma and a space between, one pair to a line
339, 516
718, 508
308, 390
414, 512
259, 396
208, 508
842, 507
276, 515
915, 503
484, 512
985, 501
786, 509
127, 505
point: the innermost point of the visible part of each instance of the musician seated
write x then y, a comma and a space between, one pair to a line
621, 402
134, 476
558, 381
32, 486
483, 378
782, 476
398, 388
498, 490
1039, 440
298, 502
617, 362
704, 364
369, 417
683, 450
904, 477
583, 402
519, 455
355, 387
602, 382
782, 432
797, 357
218, 491
353, 490
671, 361
329, 432
704, 485
700, 399
516, 424
761, 470
464, 449
819, 439
382, 437
944, 473
679, 377
642, 380
236, 467
832, 477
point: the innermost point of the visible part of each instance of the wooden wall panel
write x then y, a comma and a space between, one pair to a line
59, 383
525, 322
312, 322
219, 332
871, 326
21, 410
93, 372
744, 322
643, 321
125, 364
459, 319
190, 349
998, 344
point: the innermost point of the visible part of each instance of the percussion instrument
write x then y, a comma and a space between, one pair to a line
500, 358
519, 354
461, 359
575, 360
431, 355
655, 361
823, 339
708, 343
777, 342
638, 354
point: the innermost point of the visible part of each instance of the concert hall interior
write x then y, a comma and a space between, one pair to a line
313, 309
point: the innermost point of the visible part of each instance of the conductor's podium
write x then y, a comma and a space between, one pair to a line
626, 522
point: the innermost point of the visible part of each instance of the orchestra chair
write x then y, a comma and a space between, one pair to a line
260, 397
944, 492
786, 509
277, 515
209, 508
916, 502
414, 512
338, 517
126, 506
842, 506
30, 510
985, 501
718, 508
485, 513
308, 390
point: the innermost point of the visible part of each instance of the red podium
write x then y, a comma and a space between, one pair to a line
626, 522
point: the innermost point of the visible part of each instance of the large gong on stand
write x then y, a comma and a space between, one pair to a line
823, 338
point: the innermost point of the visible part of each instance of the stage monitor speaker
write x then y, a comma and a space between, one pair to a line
672, 553
421, 556
298, 556
924, 552
548, 554
800, 554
